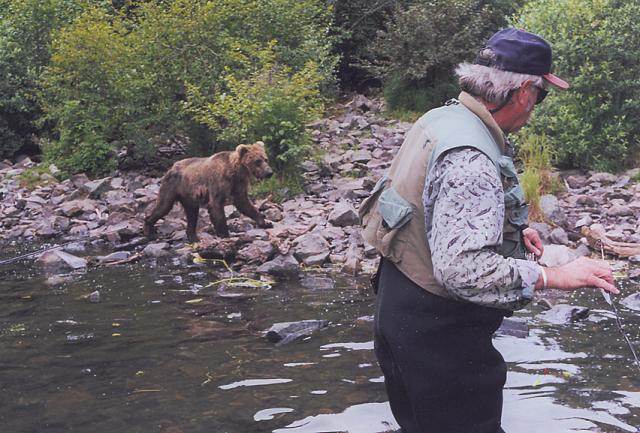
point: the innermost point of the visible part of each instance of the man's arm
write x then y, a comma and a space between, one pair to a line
464, 211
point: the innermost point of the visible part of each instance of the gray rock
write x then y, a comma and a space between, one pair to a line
514, 327
362, 156
343, 215
619, 210
113, 257
550, 207
563, 314
280, 266
57, 262
286, 332
94, 297
316, 282
584, 221
603, 178
576, 182
543, 229
310, 246
583, 250
634, 259
557, 255
98, 187
559, 236
257, 252
78, 180
634, 274
158, 249
632, 301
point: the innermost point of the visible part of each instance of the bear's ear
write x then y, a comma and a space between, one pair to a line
260, 143
242, 149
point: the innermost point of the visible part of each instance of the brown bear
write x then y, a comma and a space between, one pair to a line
215, 181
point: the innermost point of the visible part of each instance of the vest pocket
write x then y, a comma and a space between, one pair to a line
395, 212
364, 212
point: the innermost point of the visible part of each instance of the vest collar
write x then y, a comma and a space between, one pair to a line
481, 111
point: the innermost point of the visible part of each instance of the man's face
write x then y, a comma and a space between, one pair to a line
524, 101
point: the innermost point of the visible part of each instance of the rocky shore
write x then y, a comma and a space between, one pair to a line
354, 147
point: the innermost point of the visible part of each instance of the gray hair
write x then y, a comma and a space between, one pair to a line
491, 84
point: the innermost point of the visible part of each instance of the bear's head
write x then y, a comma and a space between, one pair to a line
254, 158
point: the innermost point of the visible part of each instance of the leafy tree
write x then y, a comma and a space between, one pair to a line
25, 37
596, 45
421, 44
130, 72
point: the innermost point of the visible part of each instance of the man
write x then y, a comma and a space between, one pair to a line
449, 221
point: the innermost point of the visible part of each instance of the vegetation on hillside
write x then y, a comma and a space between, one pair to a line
84, 80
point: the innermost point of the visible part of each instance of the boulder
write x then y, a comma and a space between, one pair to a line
113, 257
286, 332
557, 255
559, 236
256, 252
343, 215
312, 249
283, 265
158, 249
57, 261
632, 301
551, 210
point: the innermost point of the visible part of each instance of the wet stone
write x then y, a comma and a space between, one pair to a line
315, 282
280, 266
632, 301
57, 261
286, 332
562, 314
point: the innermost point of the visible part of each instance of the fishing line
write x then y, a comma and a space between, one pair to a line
607, 297
35, 253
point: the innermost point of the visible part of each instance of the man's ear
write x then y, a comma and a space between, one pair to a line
524, 94
241, 150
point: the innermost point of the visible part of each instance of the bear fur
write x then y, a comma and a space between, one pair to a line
220, 179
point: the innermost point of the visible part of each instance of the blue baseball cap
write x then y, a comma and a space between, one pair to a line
519, 51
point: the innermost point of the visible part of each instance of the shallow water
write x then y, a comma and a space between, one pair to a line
160, 352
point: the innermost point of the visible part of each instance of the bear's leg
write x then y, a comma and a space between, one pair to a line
163, 206
217, 216
192, 221
244, 205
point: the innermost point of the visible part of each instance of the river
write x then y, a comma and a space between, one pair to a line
161, 352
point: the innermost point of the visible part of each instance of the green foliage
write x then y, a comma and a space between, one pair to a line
530, 183
534, 150
278, 188
536, 154
422, 43
271, 104
36, 176
25, 37
596, 46
127, 76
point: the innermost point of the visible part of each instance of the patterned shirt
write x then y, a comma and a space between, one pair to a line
464, 216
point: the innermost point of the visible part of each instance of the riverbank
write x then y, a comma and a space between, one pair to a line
354, 146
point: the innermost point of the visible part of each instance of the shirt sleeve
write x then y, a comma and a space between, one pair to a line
464, 216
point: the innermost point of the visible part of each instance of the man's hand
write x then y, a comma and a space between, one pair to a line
532, 241
583, 272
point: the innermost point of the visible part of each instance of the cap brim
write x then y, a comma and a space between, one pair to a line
556, 81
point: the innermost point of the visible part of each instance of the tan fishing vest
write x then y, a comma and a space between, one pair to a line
392, 217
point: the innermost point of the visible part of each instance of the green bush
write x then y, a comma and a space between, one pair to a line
25, 37
131, 73
423, 42
596, 47
272, 104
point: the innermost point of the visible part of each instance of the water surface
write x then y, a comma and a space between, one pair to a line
162, 353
